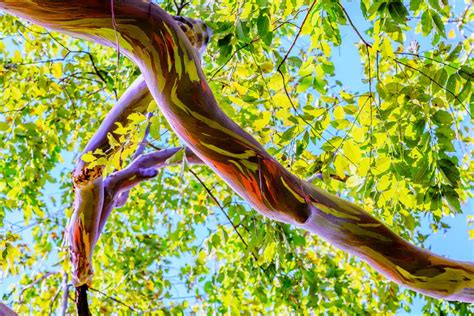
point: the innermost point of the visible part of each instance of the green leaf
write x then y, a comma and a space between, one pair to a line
263, 25
435, 5
374, 7
452, 86
466, 90
339, 113
454, 53
450, 171
304, 84
442, 117
269, 252
288, 134
438, 23
440, 78
239, 31
4, 126
398, 11
426, 22
466, 72
415, 5
224, 41
57, 70
452, 197
136, 118
155, 127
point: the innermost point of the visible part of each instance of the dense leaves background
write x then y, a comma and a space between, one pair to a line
399, 146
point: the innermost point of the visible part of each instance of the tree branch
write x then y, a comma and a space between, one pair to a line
222, 209
180, 6
296, 37
143, 168
113, 299
45, 276
65, 288
435, 82
367, 44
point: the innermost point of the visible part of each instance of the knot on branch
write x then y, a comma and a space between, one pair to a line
86, 175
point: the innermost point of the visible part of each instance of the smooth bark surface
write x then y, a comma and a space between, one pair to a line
172, 73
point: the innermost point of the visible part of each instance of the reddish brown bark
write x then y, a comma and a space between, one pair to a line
172, 73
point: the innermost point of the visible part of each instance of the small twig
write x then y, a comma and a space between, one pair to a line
180, 6
371, 107
350, 129
286, 89
230, 221
52, 60
353, 26
153, 146
113, 299
47, 275
16, 110
220, 207
142, 145
435, 82
230, 58
286, 57
296, 37
429, 58
311, 127
91, 58
370, 70
332, 176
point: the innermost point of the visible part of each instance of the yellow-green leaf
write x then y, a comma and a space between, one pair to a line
88, 157
339, 113
57, 70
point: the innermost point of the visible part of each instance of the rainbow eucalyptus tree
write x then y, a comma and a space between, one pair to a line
171, 75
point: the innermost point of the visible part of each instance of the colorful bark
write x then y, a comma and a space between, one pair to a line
171, 70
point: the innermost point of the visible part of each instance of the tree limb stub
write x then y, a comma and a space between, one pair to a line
171, 70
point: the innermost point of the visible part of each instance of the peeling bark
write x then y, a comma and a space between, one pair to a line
172, 73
